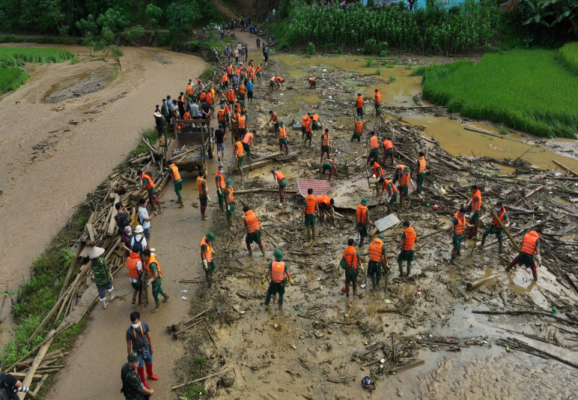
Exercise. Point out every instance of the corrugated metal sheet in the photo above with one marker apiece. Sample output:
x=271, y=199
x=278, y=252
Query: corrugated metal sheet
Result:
x=319, y=187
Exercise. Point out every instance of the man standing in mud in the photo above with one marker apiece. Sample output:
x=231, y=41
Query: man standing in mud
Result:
x=359, y=105
x=362, y=217
x=207, y=253
x=459, y=225
x=377, y=260
x=407, y=247
x=309, y=210
x=253, y=230
x=377, y=103
x=278, y=273
x=325, y=144
x=420, y=171
x=203, y=193
x=328, y=165
x=357, y=131
x=350, y=263
x=282, y=182
x=228, y=192
x=154, y=272
x=404, y=182
x=476, y=208
x=496, y=227
x=530, y=248
x=173, y=170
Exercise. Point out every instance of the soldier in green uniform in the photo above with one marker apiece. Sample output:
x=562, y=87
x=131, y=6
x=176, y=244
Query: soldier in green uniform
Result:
x=407, y=247
x=207, y=254
x=495, y=227
x=229, y=202
x=102, y=276
x=153, y=271
x=278, y=273
x=459, y=226
x=132, y=386
x=377, y=259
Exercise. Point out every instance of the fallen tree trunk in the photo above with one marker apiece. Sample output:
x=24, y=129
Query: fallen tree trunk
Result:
x=565, y=167
x=480, y=282
x=520, y=312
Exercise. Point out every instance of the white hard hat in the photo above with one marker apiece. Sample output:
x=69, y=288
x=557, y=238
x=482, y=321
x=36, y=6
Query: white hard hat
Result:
x=138, y=229
x=96, y=252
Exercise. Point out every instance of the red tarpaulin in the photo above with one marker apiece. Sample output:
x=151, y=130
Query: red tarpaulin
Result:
x=319, y=187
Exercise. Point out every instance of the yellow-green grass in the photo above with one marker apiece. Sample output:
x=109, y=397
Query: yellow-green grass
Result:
x=568, y=56
x=522, y=89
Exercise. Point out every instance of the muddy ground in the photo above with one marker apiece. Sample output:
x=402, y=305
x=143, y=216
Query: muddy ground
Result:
x=320, y=345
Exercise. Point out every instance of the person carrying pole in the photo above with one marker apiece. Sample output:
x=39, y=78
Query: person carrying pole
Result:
x=459, y=226
x=475, y=208
x=377, y=260
x=495, y=227
x=407, y=247
x=278, y=273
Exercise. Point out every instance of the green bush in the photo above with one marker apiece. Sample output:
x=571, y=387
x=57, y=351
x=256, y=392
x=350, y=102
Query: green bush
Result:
x=391, y=79
x=370, y=47
x=568, y=56
x=522, y=89
x=369, y=63
x=310, y=49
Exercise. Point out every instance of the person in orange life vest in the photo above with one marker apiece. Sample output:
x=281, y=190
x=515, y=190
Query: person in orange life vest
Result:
x=377, y=103
x=495, y=227
x=304, y=122
x=242, y=124
x=377, y=173
x=224, y=79
x=280, y=82
x=328, y=165
x=325, y=144
x=154, y=272
x=404, y=182
x=280, y=179
x=316, y=123
x=407, y=247
x=351, y=264
x=325, y=207
x=309, y=209
x=283, y=137
x=275, y=120
x=253, y=230
x=203, y=96
x=475, y=206
x=377, y=260
x=388, y=149
x=389, y=186
x=230, y=71
x=459, y=226
x=357, y=130
x=229, y=194
x=278, y=273
x=241, y=93
x=220, y=184
x=135, y=271
x=190, y=91
x=420, y=171
x=223, y=119
x=373, y=148
x=530, y=248
x=149, y=185
x=248, y=142
x=207, y=253
x=362, y=217
x=258, y=72
x=238, y=152
x=359, y=105
x=203, y=189
x=272, y=83
x=176, y=177
x=140, y=342
x=181, y=102
x=308, y=128
x=312, y=83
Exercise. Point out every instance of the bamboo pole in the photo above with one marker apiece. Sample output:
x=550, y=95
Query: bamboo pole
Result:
x=39, y=357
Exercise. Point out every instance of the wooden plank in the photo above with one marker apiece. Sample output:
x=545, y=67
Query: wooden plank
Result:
x=565, y=167
x=21, y=375
x=39, y=357
x=449, y=163
x=112, y=222
x=412, y=364
x=91, y=234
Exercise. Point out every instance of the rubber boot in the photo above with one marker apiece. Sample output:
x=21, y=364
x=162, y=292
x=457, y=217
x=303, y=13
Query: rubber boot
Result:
x=166, y=296
x=181, y=203
x=501, y=248
x=150, y=374
x=134, y=296
x=308, y=233
x=453, y=259
x=140, y=372
x=250, y=252
x=281, y=301
x=373, y=285
x=483, y=242
x=230, y=224
x=313, y=232
x=408, y=270
x=158, y=306
x=535, y=274
x=400, y=269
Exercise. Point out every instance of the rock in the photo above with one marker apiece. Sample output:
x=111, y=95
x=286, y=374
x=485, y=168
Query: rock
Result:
x=228, y=379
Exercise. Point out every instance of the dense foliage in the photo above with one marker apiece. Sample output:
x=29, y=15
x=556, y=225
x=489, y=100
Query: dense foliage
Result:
x=568, y=56
x=11, y=79
x=435, y=30
x=523, y=89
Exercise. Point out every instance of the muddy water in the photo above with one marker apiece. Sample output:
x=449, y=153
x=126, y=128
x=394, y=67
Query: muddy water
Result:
x=456, y=140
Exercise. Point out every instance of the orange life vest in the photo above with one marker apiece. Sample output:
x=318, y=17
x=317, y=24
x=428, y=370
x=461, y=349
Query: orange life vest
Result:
x=231, y=95
x=242, y=123
x=324, y=200
x=350, y=256
x=242, y=89
x=248, y=139
x=377, y=97
x=405, y=179
x=325, y=139
x=377, y=170
x=149, y=181
x=131, y=264
x=252, y=222
x=477, y=206
x=501, y=215
x=220, y=184
x=200, y=182
x=305, y=121
x=259, y=68
x=224, y=78
x=277, y=271
x=311, y=79
x=361, y=214
x=529, y=242
x=279, y=79
x=187, y=115
x=221, y=115
x=422, y=164
x=460, y=227
x=279, y=176
x=238, y=149
x=230, y=70
x=209, y=98
x=374, y=142
x=387, y=144
x=310, y=202
x=393, y=189
x=190, y=89
x=316, y=117
x=282, y=132
x=359, y=103
x=153, y=260
x=358, y=126
x=376, y=250
x=209, y=252
x=273, y=79
x=175, y=172
x=274, y=117
x=203, y=96
x=410, y=238
x=231, y=198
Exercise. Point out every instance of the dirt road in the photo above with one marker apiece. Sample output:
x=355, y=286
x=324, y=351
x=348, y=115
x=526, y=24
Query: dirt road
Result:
x=54, y=154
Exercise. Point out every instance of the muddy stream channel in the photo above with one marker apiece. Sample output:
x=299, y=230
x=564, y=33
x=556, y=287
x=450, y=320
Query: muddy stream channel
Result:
x=421, y=338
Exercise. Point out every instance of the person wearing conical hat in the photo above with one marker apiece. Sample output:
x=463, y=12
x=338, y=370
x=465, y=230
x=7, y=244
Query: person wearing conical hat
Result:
x=102, y=276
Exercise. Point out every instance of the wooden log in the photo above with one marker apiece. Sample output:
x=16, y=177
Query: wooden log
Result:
x=565, y=167
x=21, y=375
x=412, y=364
x=449, y=163
x=39, y=357
x=39, y=385
x=201, y=379
x=516, y=245
x=176, y=334
x=91, y=233
x=112, y=223
x=480, y=282
x=521, y=312
x=534, y=191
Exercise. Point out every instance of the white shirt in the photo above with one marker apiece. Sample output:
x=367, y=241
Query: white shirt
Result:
x=143, y=242
x=138, y=264
x=142, y=214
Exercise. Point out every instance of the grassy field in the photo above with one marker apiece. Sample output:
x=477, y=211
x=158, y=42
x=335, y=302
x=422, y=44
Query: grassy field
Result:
x=568, y=56
x=527, y=90
x=12, y=58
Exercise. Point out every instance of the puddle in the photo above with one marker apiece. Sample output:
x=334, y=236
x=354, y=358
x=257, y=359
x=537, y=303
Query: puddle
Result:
x=80, y=84
x=458, y=141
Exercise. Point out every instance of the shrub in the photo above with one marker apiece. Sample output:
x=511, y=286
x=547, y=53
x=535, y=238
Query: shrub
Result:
x=370, y=47
x=310, y=49
x=568, y=56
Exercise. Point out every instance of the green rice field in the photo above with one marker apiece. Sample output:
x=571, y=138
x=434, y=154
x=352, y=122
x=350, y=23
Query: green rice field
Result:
x=527, y=90
x=12, y=58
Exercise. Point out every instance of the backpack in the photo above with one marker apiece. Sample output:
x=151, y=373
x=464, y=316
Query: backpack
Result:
x=136, y=247
x=3, y=388
x=121, y=221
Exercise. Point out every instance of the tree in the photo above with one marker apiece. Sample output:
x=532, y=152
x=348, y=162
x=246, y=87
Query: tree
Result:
x=182, y=15
x=154, y=15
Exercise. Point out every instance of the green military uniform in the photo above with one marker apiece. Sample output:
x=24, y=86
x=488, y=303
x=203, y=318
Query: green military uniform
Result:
x=231, y=210
x=405, y=255
x=157, y=283
x=374, y=267
x=276, y=287
x=499, y=232
x=374, y=153
x=210, y=267
x=254, y=237
x=101, y=271
x=327, y=166
x=132, y=385
x=356, y=136
x=283, y=183
x=203, y=199
x=456, y=242
x=420, y=180
x=392, y=199
x=362, y=228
